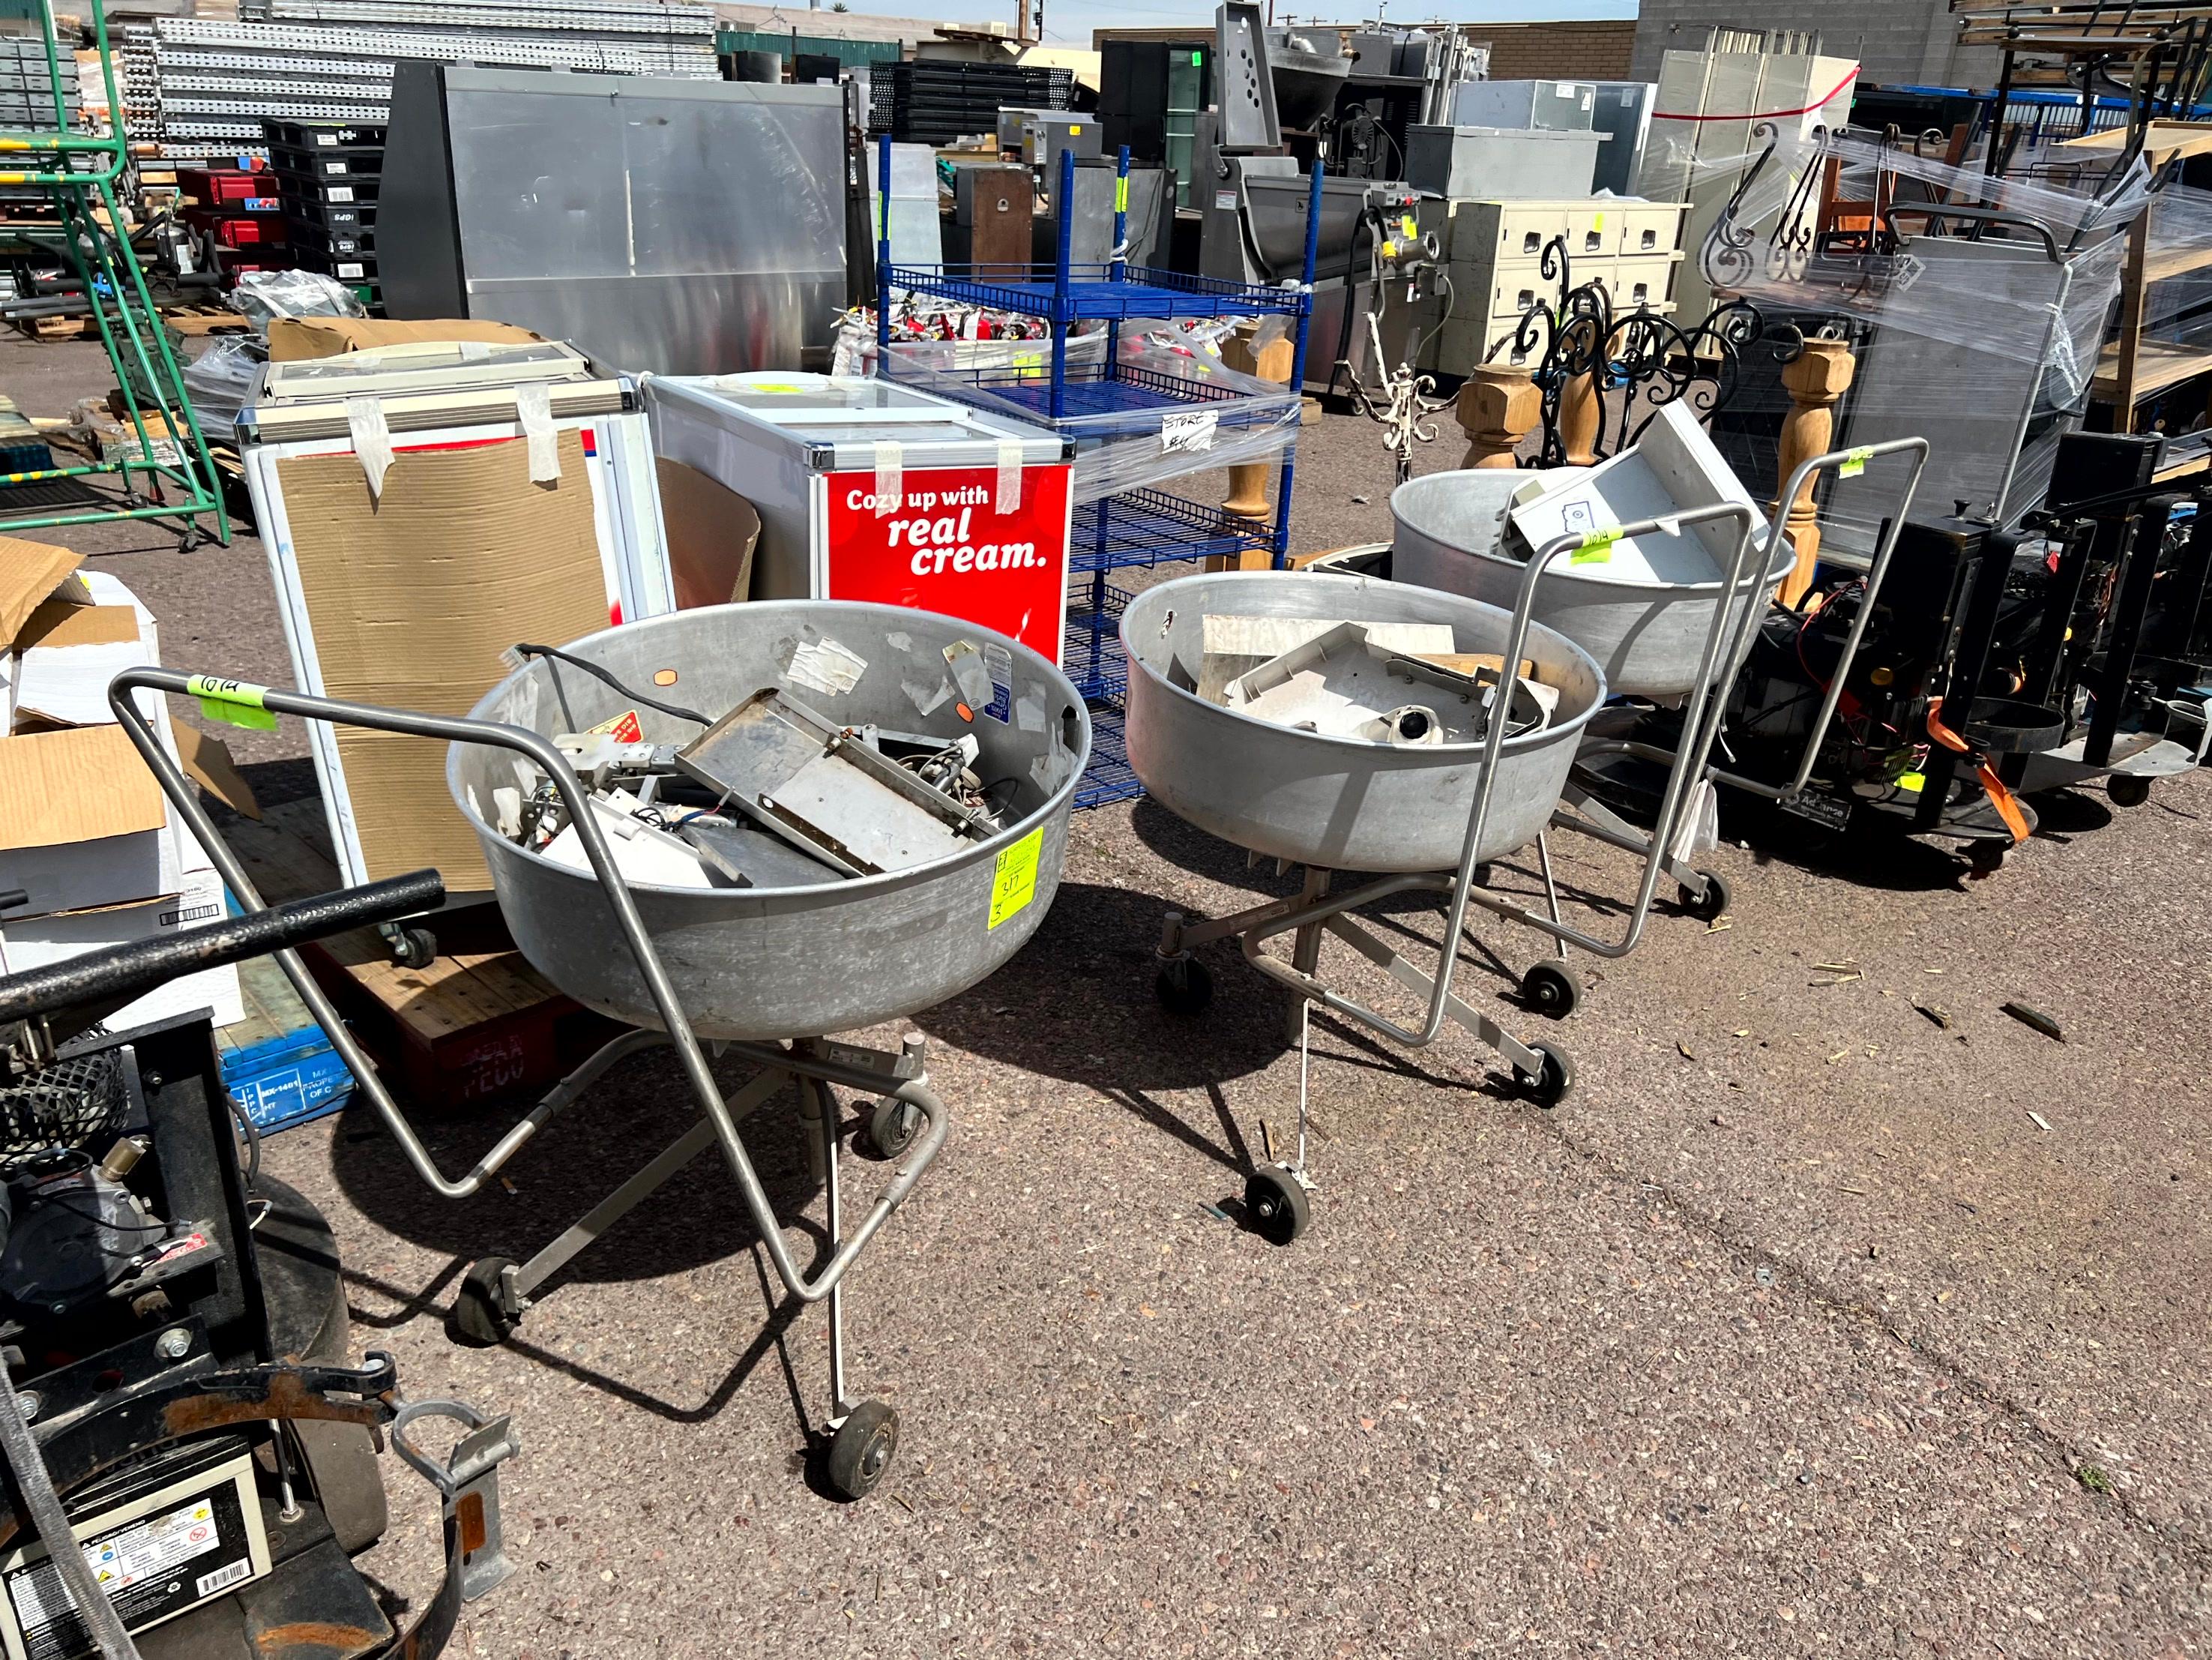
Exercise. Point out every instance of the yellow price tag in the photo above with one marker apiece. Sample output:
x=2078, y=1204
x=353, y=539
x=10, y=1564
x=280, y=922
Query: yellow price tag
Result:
x=1598, y=223
x=1122, y=194
x=235, y=703
x=1855, y=461
x=1912, y=783
x=1596, y=547
x=783, y=387
x=1013, y=878
x=1406, y=223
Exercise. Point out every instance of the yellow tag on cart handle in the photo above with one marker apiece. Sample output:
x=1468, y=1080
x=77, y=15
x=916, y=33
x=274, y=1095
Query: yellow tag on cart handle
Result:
x=235, y=703
x=1013, y=878
x=1855, y=461
x=1595, y=547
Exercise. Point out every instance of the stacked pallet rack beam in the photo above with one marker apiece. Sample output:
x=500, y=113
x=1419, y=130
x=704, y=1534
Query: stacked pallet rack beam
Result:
x=163, y=469
x=329, y=175
x=1134, y=529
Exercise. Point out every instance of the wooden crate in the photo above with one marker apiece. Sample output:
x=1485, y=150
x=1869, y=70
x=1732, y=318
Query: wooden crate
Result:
x=479, y=1025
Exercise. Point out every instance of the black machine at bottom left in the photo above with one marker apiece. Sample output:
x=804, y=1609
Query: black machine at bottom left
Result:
x=174, y=1332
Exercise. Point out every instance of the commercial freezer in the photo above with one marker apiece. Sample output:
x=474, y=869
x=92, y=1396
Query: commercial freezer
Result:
x=867, y=489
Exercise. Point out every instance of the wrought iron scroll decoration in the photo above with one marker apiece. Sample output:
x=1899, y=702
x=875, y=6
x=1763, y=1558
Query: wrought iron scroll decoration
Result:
x=1629, y=366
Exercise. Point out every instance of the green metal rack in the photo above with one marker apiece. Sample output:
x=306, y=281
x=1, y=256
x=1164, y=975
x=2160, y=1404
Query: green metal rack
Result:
x=79, y=174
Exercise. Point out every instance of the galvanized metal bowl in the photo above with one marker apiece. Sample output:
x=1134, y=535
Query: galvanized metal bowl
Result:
x=1650, y=638
x=1337, y=803
x=769, y=963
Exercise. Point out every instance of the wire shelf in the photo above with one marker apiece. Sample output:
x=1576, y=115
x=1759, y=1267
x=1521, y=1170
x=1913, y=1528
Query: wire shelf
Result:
x=1107, y=779
x=1093, y=291
x=1152, y=527
x=1091, y=648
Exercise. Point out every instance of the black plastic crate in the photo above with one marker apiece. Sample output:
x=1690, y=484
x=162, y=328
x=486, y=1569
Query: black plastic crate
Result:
x=346, y=268
x=334, y=242
x=324, y=134
x=352, y=189
x=334, y=218
x=366, y=163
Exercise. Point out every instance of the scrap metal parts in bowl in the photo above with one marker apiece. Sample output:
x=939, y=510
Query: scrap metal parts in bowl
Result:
x=788, y=788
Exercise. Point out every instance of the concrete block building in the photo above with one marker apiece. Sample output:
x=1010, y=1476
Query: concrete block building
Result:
x=1897, y=42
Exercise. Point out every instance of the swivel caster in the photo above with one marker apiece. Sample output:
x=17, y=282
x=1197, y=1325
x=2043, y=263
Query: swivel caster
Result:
x=2123, y=790
x=1712, y=904
x=861, y=1450
x=1549, y=989
x=1549, y=1086
x=893, y=1126
x=1277, y=1201
x=415, y=948
x=486, y=1311
x=1183, y=986
x=1987, y=857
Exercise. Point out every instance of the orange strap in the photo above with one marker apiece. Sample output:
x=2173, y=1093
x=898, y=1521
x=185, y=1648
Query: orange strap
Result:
x=2001, y=800
x=1942, y=733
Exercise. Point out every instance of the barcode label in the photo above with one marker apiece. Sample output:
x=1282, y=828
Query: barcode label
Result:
x=208, y=1584
x=341, y=192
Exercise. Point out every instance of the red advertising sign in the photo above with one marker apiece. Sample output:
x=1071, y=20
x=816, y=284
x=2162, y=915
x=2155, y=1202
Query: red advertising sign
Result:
x=946, y=547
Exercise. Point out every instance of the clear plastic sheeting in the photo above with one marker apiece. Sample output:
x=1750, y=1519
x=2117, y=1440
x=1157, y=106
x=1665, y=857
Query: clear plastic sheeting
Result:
x=262, y=296
x=221, y=378
x=1170, y=407
x=1977, y=306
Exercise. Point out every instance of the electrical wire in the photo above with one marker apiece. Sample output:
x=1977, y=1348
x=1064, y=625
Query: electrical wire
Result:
x=36, y=1483
x=599, y=673
x=252, y=1134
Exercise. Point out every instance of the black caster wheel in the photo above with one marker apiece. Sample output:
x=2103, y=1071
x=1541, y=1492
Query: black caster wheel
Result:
x=485, y=1315
x=1987, y=858
x=2122, y=791
x=893, y=1126
x=1712, y=904
x=1183, y=986
x=862, y=1450
x=1549, y=1086
x=416, y=948
x=1482, y=875
x=1549, y=989
x=1277, y=1201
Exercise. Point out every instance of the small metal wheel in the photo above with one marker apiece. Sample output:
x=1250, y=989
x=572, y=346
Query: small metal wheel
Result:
x=1277, y=1204
x=1549, y=1086
x=415, y=948
x=1550, y=989
x=485, y=1315
x=893, y=1126
x=1183, y=986
x=862, y=1449
x=2125, y=790
x=1712, y=904
x=1987, y=857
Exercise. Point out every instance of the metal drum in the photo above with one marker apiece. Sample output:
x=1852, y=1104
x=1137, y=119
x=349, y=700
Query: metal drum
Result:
x=1337, y=803
x=1649, y=638
x=771, y=963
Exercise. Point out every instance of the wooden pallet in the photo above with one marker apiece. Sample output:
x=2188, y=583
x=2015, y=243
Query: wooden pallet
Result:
x=191, y=321
x=478, y=1024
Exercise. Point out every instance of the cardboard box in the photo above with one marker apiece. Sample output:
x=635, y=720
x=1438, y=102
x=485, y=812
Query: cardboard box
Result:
x=82, y=823
x=41, y=941
x=292, y=338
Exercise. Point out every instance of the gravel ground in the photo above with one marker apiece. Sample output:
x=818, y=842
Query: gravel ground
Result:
x=1792, y=1333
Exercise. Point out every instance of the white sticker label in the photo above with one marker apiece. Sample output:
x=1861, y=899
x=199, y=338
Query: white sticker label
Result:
x=326, y=139
x=209, y=1583
x=1189, y=430
x=335, y=169
x=340, y=193
x=149, y=1549
x=1225, y=200
x=825, y=666
x=890, y=479
x=349, y=269
x=1008, y=498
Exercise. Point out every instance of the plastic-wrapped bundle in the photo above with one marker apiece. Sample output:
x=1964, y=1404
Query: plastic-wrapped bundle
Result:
x=1166, y=407
x=1978, y=304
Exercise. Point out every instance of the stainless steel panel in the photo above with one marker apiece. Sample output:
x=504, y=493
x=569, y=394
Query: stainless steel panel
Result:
x=674, y=226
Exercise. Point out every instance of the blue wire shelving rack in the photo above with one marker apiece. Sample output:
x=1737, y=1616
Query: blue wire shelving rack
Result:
x=1136, y=528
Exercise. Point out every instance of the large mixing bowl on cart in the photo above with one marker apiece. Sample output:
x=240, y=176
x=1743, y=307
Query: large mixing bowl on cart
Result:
x=1425, y=814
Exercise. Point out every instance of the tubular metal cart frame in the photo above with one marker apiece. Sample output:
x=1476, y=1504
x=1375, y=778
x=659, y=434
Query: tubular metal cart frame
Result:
x=1140, y=527
x=1547, y=989
x=1276, y=1193
x=862, y=1436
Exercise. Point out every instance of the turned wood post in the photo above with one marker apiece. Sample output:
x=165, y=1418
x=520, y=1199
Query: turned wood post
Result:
x=1497, y=405
x=1815, y=382
x=1247, y=480
x=1581, y=412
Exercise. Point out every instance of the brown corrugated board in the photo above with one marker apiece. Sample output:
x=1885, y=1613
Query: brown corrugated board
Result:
x=207, y=761
x=711, y=532
x=412, y=599
x=29, y=573
x=292, y=338
x=58, y=622
x=76, y=785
